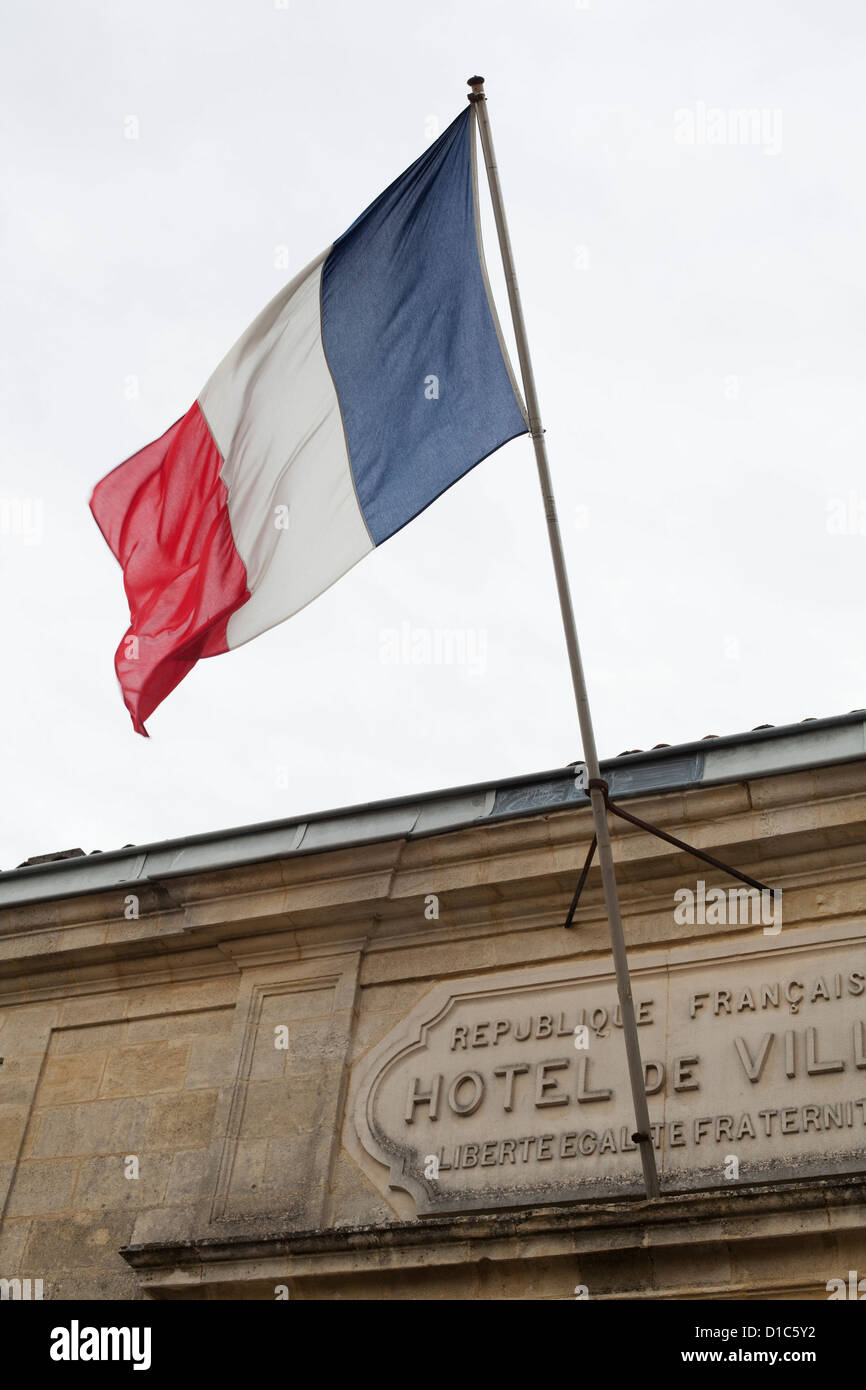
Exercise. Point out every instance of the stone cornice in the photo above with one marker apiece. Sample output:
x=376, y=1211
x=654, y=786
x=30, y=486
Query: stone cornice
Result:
x=797, y=829
x=631, y=1227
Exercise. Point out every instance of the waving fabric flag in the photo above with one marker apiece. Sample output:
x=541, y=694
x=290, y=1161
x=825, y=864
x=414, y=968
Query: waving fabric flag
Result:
x=373, y=382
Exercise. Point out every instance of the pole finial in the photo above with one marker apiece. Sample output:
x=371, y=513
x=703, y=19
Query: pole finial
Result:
x=477, y=85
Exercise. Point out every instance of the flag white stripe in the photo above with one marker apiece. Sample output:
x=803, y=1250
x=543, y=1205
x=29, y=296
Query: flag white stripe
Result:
x=274, y=413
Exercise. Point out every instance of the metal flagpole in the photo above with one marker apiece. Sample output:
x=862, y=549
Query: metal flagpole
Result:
x=595, y=784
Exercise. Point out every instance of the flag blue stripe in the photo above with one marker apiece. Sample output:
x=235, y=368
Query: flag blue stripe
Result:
x=410, y=339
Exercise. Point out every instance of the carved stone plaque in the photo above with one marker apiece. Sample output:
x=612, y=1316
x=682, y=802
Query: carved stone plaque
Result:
x=512, y=1090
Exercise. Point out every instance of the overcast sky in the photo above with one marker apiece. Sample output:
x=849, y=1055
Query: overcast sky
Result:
x=693, y=279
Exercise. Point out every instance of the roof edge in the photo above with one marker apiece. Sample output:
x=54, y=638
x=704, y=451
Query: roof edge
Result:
x=707, y=761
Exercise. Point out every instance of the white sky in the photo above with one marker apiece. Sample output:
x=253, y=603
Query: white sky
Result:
x=697, y=314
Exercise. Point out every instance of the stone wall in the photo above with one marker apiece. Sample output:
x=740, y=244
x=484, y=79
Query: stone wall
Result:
x=216, y=1039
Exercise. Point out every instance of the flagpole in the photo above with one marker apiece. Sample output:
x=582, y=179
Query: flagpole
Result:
x=595, y=784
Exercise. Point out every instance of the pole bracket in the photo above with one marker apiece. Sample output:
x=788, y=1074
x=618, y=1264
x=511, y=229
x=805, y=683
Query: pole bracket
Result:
x=599, y=784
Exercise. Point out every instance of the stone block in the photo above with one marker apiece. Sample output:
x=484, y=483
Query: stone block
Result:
x=91, y=1128
x=354, y=1199
x=42, y=1187
x=266, y=1109
x=248, y=1160
x=268, y=1061
x=95, y=1286
x=291, y=1165
x=13, y=1239
x=161, y=1225
x=431, y=962
x=183, y=996
x=87, y=1239
x=392, y=998
x=70, y=1077
x=294, y=1005
x=13, y=1121
x=212, y=1061
x=139, y=1069
x=19, y=1076
x=180, y=1121
x=174, y=1027
x=93, y=1008
x=315, y=1041
x=26, y=1028
x=189, y=1172
x=103, y=1184
x=88, y=1037
x=370, y=1029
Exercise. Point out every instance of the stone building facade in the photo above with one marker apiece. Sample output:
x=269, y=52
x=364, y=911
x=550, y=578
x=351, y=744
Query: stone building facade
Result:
x=359, y=1055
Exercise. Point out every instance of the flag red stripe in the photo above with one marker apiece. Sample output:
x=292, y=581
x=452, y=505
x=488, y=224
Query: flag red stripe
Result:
x=164, y=514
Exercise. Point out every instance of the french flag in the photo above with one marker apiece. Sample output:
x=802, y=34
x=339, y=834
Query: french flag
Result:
x=364, y=390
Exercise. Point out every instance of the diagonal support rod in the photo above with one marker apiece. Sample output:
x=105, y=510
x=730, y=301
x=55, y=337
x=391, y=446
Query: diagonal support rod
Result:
x=661, y=835
x=581, y=881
